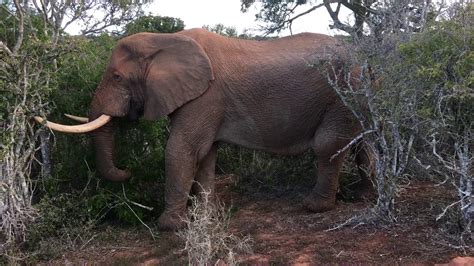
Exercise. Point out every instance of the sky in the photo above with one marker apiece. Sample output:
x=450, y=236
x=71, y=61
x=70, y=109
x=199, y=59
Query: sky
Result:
x=197, y=13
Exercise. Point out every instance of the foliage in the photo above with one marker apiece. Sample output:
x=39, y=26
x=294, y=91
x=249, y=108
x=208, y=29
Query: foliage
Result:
x=421, y=106
x=280, y=14
x=65, y=224
x=140, y=147
x=222, y=30
x=154, y=24
x=30, y=49
x=263, y=171
x=258, y=172
x=26, y=73
x=385, y=108
x=232, y=32
x=81, y=71
x=442, y=60
x=9, y=27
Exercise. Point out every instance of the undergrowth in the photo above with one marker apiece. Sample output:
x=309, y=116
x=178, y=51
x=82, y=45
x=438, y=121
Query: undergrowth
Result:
x=207, y=237
x=65, y=224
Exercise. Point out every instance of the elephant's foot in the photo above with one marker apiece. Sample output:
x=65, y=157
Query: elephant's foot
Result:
x=317, y=203
x=171, y=221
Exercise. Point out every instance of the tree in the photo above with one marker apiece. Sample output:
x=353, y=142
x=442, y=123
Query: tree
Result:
x=421, y=105
x=25, y=69
x=30, y=46
x=52, y=18
x=280, y=14
x=222, y=30
x=441, y=59
x=154, y=24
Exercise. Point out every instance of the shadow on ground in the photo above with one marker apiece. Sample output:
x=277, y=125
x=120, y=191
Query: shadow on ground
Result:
x=284, y=233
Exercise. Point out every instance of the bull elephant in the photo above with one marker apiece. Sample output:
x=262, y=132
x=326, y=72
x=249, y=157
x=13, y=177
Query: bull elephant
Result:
x=259, y=94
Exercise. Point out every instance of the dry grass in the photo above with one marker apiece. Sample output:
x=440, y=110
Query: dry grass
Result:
x=207, y=236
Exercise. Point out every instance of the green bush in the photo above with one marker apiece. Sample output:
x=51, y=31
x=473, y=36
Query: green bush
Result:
x=65, y=223
x=154, y=24
x=259, y=171
x=267, y=170
x=139, y=147
x=443, y=61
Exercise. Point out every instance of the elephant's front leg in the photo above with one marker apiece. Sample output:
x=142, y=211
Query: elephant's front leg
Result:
x=182, y=160
x=205, y=178
x=181, y=167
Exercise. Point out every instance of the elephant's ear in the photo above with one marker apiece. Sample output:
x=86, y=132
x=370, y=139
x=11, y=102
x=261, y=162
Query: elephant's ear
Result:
x=178, y=71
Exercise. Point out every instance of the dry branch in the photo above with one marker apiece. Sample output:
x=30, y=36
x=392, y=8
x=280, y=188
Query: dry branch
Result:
x=207, y=236
x=386, y=111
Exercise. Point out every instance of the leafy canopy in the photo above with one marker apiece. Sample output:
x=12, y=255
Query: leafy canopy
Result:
x=154, y=24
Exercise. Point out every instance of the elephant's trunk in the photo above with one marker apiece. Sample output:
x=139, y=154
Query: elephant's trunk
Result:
x=103, y=140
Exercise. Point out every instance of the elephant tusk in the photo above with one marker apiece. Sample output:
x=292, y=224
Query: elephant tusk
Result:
x=90, y=126
x=77, y=118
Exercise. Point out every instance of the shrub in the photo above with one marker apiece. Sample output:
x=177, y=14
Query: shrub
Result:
x=64, y=223
x=154, y=24
x=140, y=147
x=271, y=171
x=207, y=236
x=443, y=61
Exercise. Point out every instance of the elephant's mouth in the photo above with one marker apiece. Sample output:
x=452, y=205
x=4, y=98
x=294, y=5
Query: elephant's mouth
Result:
x=135, y=111
x=88, y=126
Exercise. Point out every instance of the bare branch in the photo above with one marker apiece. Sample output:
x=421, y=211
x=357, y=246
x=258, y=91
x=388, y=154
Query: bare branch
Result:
x=3, y=47
x=290, y=20
x=20, y=12
x=335, y=18
x=352, y=142
x=441, y=215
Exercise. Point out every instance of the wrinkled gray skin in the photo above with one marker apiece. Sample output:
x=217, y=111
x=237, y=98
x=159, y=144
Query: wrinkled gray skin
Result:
x=259, y=94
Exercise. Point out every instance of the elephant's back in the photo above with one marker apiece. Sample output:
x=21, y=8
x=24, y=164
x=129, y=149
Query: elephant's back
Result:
x=302, y=43
x=305, y=40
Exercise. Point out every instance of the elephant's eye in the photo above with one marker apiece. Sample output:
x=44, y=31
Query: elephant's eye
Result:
x=117, y=77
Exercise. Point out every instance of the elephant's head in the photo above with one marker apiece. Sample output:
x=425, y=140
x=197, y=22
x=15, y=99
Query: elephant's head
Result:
x=148, y=74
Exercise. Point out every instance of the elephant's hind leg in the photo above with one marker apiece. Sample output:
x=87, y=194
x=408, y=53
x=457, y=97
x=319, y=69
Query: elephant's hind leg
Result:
x=323, y=195
x=336, y=130
x=365, y=165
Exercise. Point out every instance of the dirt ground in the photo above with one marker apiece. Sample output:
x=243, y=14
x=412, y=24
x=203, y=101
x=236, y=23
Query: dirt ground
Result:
x=284, y=233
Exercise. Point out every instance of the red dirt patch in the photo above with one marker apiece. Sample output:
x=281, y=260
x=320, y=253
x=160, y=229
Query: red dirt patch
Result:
x=284, y=233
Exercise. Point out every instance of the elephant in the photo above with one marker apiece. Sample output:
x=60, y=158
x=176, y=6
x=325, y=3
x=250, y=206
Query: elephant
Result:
x=265, y=95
